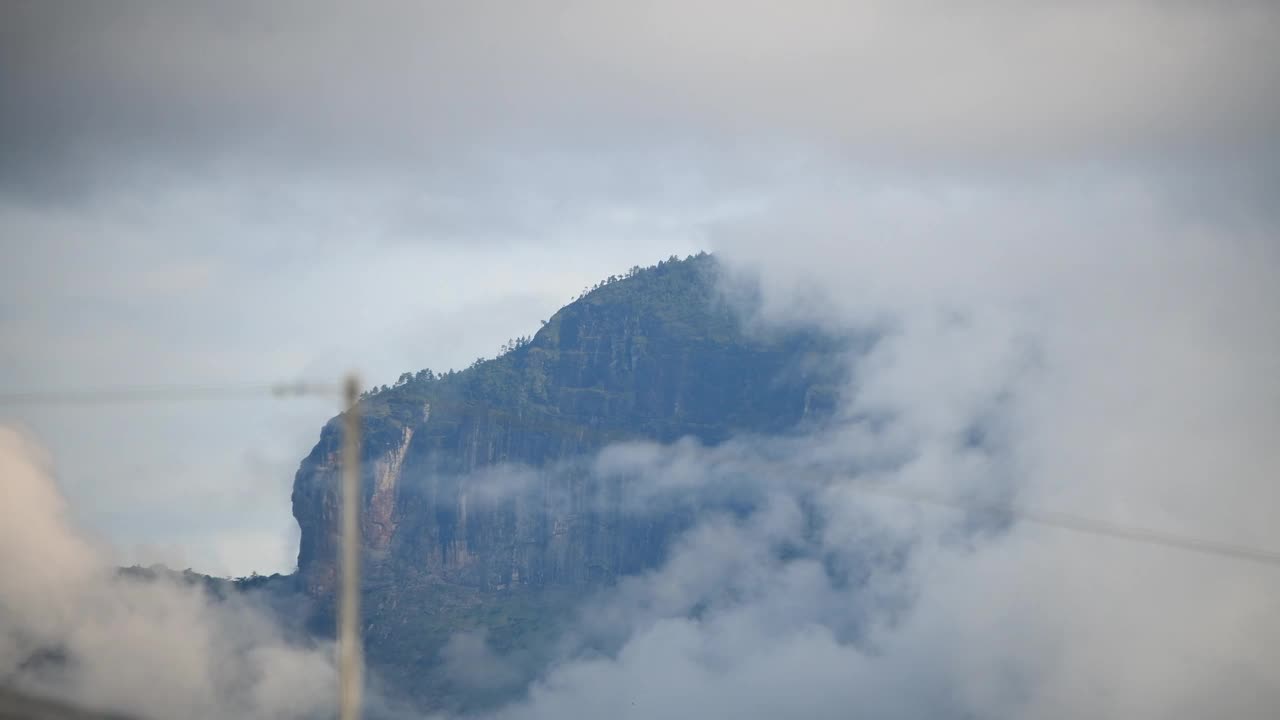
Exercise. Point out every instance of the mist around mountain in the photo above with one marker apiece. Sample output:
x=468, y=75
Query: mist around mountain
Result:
x=499, y=496
x=690, y=494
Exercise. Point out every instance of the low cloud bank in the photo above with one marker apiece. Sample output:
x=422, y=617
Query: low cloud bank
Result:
x=1123, y=378
x=1121, y=368
x=71, y=627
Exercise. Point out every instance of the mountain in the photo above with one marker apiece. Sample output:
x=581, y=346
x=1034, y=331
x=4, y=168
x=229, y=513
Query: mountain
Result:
x=482, y=508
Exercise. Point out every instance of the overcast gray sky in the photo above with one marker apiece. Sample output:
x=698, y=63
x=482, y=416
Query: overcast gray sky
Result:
x=1065, y=215
x=246, y=193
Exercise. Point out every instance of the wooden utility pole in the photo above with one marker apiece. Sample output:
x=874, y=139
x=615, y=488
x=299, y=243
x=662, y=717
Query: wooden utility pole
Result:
x=351, y=655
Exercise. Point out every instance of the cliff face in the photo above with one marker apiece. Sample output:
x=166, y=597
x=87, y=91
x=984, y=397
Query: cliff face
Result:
x=478, y=478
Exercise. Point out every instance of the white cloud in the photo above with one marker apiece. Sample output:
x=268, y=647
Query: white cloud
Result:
x=1121, y=376
x=1063, y=215
x=158, y=649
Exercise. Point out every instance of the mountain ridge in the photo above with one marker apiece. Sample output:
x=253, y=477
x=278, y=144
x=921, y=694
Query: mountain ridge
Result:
x=481, y=506
x=658, y=355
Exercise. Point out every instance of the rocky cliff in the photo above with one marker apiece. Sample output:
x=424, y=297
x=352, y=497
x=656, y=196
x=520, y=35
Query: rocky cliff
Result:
x=482, y=508
x=659, y=354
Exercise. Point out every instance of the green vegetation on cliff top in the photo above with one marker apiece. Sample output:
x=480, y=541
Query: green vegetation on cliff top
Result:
x=657, y=352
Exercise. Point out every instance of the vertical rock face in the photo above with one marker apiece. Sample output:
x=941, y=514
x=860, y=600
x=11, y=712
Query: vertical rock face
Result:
x=478, y=478
x=380, y=517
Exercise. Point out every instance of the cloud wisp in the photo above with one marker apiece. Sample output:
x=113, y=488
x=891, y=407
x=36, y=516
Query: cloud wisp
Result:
x=72, y=627
x=1124, y=381
x=1060, y=217
x=1123, y=378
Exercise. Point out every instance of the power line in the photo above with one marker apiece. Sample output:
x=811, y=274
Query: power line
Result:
x=1065, y=521
x=1086, y=525
x=164, y=393
x=351, y=662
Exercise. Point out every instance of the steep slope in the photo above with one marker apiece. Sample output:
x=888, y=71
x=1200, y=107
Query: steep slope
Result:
x=657, y=355
x=481, y=505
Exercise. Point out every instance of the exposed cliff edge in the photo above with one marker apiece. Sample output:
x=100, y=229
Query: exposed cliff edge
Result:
x=657, y=355
x=478, y=484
